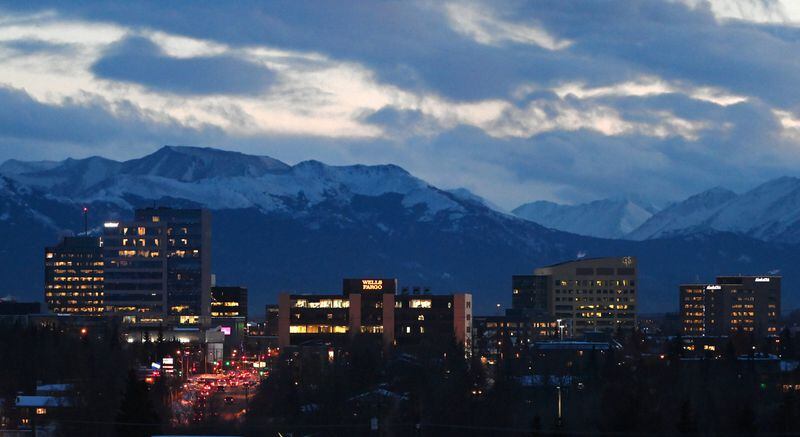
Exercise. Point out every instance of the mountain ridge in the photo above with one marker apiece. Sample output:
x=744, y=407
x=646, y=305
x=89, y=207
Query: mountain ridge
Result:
x=606, y=218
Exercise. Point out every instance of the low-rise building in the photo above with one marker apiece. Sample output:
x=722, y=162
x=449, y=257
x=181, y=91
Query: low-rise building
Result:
x=229, y=311
x=372, y=307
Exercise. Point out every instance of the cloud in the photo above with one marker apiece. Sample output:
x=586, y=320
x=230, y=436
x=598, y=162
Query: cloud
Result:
x=567, y=100
x=757, y=11
x=484, y=27
x=31, y=46
x=29, y=128
x=138, y=60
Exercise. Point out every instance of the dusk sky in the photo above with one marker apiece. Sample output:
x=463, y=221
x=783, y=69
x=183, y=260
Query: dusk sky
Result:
x=559, y=100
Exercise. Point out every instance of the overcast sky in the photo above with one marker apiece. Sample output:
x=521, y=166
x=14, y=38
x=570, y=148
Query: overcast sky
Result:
x=559, y=100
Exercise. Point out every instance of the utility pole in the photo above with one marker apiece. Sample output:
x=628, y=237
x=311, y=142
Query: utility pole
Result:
x=560, y=417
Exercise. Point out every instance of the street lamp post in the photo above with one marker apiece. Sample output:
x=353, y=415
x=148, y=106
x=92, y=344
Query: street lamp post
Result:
x=560, y=415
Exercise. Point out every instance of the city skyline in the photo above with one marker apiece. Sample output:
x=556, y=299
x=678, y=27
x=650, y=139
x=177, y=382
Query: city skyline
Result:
x=399, y=217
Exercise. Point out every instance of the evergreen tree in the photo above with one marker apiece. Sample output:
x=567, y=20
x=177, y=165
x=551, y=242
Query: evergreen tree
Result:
x=687, y=423
x=137, y=415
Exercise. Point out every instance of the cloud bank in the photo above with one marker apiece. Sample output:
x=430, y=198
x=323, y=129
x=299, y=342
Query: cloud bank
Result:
x=517, y=101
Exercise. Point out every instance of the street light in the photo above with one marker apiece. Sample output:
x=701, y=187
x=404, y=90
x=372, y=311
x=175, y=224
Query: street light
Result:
x=560, y=329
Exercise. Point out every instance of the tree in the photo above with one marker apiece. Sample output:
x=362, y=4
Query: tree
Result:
x=687, y=423
x=137, y=415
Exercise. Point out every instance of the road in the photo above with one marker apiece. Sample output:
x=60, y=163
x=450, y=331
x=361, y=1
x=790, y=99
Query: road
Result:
x=222, y=396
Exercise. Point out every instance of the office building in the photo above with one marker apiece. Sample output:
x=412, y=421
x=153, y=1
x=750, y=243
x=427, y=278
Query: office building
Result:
x=497, y=338
x=158, y=267
x=732, y=305
x=271, y=320
x=229, y=311
x=228, y=302
x=73, y=277
x=529, y=294
x=372, y=307
x=448, y=316
x=587, y=295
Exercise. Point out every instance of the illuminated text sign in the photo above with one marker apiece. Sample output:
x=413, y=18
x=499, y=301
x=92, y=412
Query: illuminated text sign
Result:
x=372, y=284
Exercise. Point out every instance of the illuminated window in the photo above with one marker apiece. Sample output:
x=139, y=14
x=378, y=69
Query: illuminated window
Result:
x=141, y=230
x=420, y=303
x=41, y=411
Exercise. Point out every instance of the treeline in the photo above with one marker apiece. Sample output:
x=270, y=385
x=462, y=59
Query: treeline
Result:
x=434, y=390
x=108, y=397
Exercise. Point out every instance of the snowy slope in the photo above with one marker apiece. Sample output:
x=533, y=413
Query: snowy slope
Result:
x=222, y=180
x=609, y=218
x=465, y=194
x=769, y=212
x=13, y=166
x=692, y=213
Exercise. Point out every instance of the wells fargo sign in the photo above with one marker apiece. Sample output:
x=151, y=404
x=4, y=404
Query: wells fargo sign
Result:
x=372, y=284
x=359, y=285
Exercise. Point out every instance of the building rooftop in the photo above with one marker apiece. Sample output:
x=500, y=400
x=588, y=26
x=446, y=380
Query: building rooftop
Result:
x=571, y=344
x=42, y=401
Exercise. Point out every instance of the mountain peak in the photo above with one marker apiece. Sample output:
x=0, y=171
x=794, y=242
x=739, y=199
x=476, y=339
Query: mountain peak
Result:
x=688, y=215
x=190, y=164
x=605, y=218
x=16, y=167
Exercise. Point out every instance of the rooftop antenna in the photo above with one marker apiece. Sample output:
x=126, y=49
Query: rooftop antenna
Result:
x=85, y=221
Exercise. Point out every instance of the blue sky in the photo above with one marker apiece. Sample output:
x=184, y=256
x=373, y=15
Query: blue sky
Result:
x=564, y=100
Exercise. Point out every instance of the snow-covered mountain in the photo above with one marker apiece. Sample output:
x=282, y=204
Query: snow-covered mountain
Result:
x=609, y=218
x=769, y=212
x=690, y=214
x=303, y=227
x=465, y=194
x=218, y=179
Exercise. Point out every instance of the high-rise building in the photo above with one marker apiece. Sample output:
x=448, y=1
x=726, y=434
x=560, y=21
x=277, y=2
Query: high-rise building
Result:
x=271, y=319
x=371, y=307
x=529, y=295
x=587, y=295
x=73, y=277
x=732, y=305
x=158, y=267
